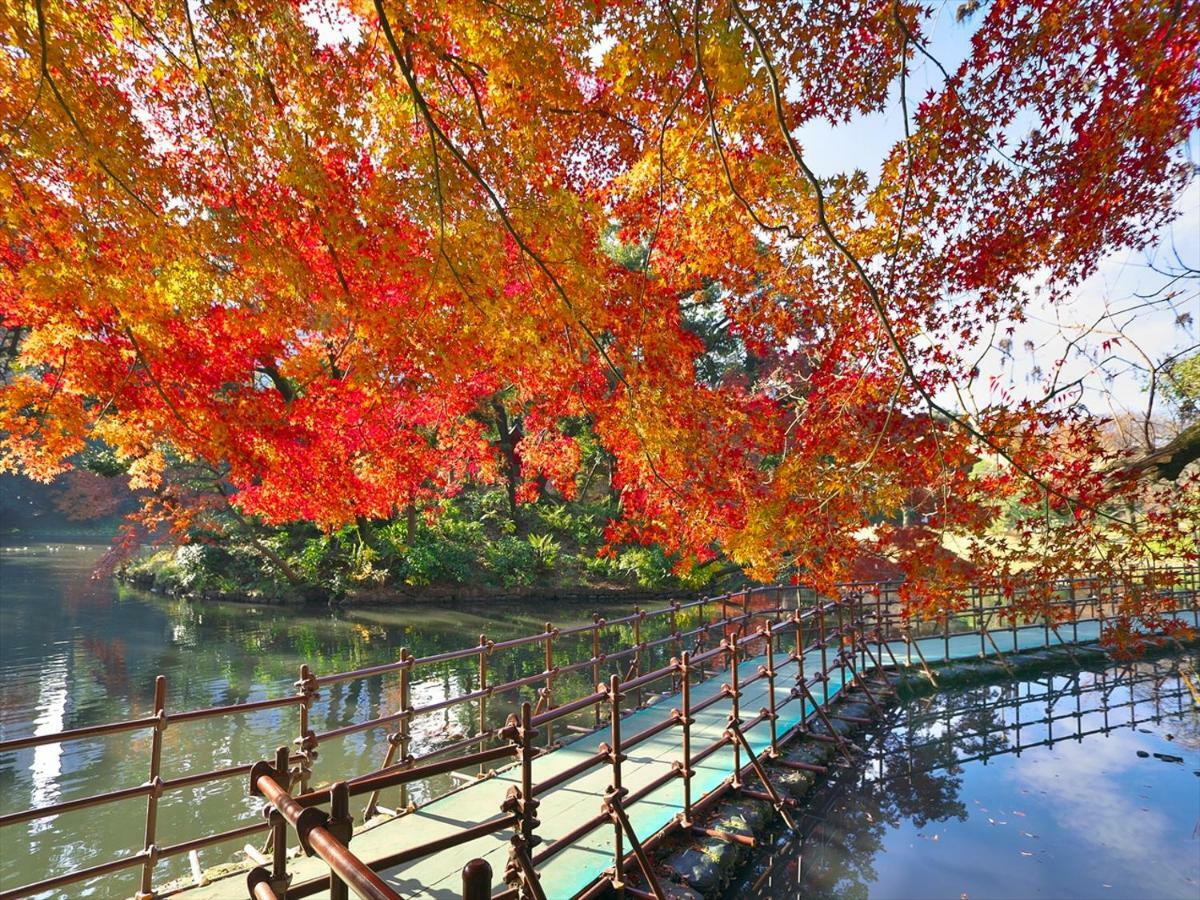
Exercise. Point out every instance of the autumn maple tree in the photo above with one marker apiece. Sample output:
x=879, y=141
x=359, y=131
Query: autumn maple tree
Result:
x=316, y=251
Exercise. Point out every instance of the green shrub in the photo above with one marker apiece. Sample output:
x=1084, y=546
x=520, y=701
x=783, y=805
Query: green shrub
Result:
x=545, y=551
x=433, y=556
x=511, y=561
x=648, y=566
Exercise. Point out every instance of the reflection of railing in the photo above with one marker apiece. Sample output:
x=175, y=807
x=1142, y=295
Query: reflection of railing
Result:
x=865, y=617
x=911, y=747
x=1104, y=683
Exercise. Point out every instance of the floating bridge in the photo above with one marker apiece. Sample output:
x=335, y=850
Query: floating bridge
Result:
x=632, y=729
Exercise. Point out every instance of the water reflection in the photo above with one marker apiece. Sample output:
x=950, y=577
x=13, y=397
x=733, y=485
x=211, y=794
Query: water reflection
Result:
x=1044, y=788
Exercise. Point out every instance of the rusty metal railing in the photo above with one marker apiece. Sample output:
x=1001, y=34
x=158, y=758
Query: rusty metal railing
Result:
x=301, y=760
x=844, y=646
x=852, y=635
x=519, y=809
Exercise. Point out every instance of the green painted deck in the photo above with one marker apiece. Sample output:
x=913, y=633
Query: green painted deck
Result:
x=579, y=799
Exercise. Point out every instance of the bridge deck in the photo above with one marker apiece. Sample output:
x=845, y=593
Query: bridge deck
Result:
x=577, y=800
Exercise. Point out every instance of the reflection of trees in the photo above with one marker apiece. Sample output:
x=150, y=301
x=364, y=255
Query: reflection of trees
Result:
x=928, y=791
x=914, y=776
x=918, y=757
x=1152, y=676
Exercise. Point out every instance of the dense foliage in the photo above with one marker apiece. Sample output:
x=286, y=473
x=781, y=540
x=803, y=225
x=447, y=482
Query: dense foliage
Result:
x=467, y=542
x=334, y=261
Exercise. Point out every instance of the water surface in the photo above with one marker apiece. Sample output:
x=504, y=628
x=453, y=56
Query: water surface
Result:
x=1047, y=788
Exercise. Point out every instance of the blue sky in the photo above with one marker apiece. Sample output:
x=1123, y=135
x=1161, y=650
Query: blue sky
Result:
x=1154, y=333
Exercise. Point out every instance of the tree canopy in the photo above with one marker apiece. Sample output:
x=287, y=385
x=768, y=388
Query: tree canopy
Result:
x=328, y=253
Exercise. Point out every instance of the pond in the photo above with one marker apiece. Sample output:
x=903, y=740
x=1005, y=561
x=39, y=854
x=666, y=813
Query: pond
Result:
x=76, y=652
x=1083, y=785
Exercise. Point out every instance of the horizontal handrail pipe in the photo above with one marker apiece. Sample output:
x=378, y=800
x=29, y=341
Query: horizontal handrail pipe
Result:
x=248, y=706
x=223, y=837
x=469, y=833
x=78, y=734
x=394, y=776
x=75, y=877
x=57, y=809
x=226, y=772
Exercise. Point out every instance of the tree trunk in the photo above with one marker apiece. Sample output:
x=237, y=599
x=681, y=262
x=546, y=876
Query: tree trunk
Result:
x=509, y=434
x=410, y=521
x=280, y=563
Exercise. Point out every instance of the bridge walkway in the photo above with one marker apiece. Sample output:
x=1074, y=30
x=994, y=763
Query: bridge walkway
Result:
x=565, y=807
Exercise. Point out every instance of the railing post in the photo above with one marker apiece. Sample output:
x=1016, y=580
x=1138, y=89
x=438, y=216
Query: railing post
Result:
x=799, y=620
x=1074, y=613
x=639, y=614
x=529, y=803
x=477, y=880
x=845, y=619
x=404, y=726
x=824, y=652
x=1045, y=625
x=306, y=743
x=735, y=708
x=616, y=757
x=769, y=669
x=841, y=645
x=596, y=623
x=395, y=740
x=881, y=632
x=279, y=876
x=675, y=632
x=685, y=722
x=280, y=880
x=549, y=691
x=858, y=623
x=977, y=597
x=520, y=802
x=1012, y=613
x=155, y=781
x=341, y=826
x=484, y=729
